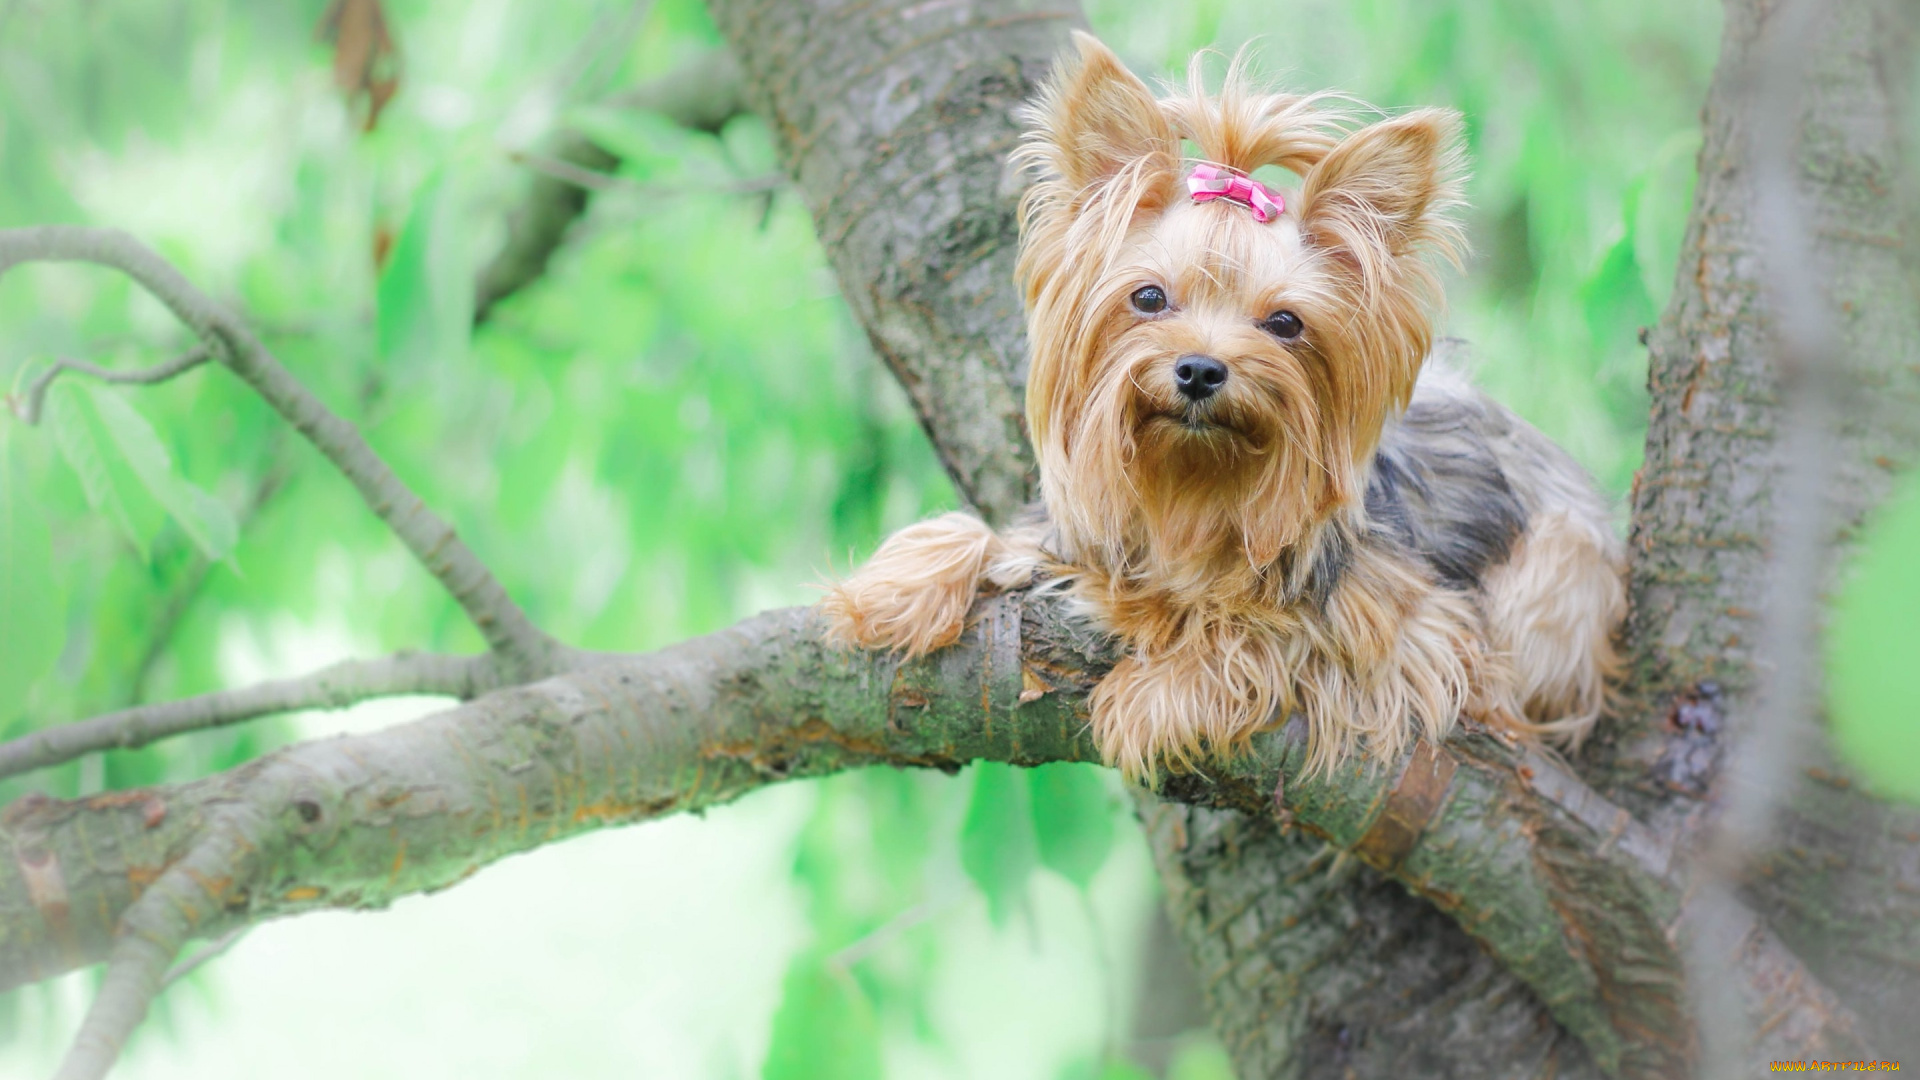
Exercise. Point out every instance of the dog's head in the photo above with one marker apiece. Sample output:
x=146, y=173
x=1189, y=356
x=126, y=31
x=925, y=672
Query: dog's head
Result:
x=1213, y=359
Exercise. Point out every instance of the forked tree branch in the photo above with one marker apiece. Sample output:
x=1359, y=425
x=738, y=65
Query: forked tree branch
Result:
x=334, y=687
x=31, y=403
x=507, y=630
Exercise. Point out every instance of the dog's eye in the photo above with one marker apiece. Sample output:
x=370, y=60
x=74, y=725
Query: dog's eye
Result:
x=1284, y=325
x=1149, y=300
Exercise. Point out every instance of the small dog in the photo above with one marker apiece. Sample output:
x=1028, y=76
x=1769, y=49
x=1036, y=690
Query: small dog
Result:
x=1246, y=475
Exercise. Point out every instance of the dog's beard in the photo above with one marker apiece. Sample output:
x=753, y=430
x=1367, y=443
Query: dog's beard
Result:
x=1162, y=485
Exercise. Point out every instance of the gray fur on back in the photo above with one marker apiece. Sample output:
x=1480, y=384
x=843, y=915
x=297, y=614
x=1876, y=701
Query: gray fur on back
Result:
x=1459, y=477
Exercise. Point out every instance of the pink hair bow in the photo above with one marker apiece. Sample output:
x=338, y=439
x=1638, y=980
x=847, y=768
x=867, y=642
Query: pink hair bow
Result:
x=1208, y=182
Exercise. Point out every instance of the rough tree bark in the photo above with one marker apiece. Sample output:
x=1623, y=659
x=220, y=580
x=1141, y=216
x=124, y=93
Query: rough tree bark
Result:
x=1509, y=920
x=1842, y=883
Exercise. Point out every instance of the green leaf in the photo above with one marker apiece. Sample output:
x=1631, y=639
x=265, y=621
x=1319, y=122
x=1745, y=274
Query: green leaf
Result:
x=1660, y=222
x=1111, y=1069
x=1072, y=819
x=77, y=431
x=424, y=300
x=201, y=516
x=1873, y=650
x=996, y=838
x=1200, y=1057
x=30, y=624
x=824, y=1028
x=1614, y=295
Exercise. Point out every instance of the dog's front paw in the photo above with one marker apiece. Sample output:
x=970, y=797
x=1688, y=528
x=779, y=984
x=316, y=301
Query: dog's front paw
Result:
x=914, y=593
x=1175, y=711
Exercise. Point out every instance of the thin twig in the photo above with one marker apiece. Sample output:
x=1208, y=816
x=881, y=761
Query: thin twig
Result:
x=335, y=687
x=499, y=619
x=29, y=405
x=701, y=94
x=886, y=933
x=206, y=954
x=599, y=181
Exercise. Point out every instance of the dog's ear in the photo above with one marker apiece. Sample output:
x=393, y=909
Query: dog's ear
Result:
x=1094, y=117
x=1388, y=190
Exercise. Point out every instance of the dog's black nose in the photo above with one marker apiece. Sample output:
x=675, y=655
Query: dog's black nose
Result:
x=1199, y=377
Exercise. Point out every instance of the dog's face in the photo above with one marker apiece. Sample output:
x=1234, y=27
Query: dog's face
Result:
x=1206, y=386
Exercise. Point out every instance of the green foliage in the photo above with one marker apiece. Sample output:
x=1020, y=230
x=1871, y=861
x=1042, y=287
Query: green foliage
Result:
x=1873, y=651
x=83, y=440
x=424, y=300
x=1088, y=1069
x=1072, y=819
x=29, y=636
x=824, y=1026
x=204, y=518
x=997, y=840
x=1200, y=1059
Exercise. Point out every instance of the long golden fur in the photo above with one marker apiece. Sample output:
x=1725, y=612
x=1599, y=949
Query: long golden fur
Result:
x=1330, y=533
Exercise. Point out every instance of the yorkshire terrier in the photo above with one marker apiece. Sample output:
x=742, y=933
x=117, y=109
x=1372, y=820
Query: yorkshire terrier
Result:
x=1246, y=474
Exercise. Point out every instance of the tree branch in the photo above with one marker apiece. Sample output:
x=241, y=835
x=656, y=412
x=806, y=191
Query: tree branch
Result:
x=155, y=927
x=500, y=621
x=335, y=687
x=29, y=405
x=702, y=94
x=1565, y=890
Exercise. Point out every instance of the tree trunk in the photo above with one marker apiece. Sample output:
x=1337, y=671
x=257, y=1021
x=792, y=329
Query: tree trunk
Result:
x=1841, y=885
x=895, y=119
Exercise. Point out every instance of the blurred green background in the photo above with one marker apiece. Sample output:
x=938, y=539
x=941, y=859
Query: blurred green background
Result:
x=677, y=426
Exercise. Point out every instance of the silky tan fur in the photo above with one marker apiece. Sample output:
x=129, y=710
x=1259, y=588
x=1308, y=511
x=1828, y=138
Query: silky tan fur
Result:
x=1333, y=533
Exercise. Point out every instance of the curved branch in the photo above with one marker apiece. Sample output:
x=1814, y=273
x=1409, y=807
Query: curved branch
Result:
x=28, y=407
x=335, y=687
x=1563, y=888
x=500, y=621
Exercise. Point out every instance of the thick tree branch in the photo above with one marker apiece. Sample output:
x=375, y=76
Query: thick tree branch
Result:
x=335, y=687
x=702, y=94
x=1565, y=890
x=500, y=621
